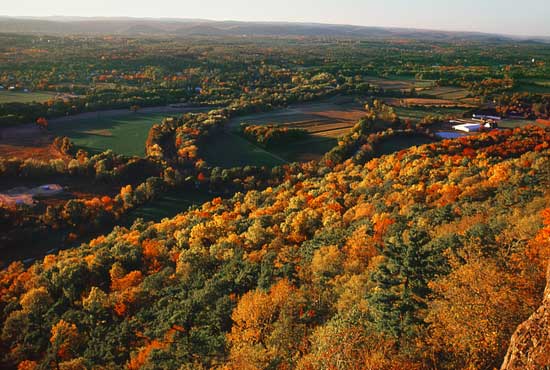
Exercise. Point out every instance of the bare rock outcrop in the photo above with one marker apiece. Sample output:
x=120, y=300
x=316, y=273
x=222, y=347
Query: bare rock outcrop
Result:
x=530, y=345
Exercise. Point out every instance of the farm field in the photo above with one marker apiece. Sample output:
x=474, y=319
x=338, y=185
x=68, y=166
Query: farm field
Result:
x=23, y=97
x=124, y=135
x=447, y=92
x=316, y=147
x=325, y=121
x=121, y=131
x=399, y=143
x=228, y=150
x=169, y=205
x=415, y=114
x=428, y=102
x=399, y=83
x=513, y=123
x=540, y=87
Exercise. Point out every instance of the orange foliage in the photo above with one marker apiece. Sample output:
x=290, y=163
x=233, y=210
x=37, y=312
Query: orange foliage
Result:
x=151, y=251
x=42, y=123
x=140, y=359
x=131, y=279
x=64, y=338
x=538, y=250
x=27, y=365
x=121, y=309
x=381, y=224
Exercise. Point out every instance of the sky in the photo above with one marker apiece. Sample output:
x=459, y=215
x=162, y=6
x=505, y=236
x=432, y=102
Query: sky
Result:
x=514, y=17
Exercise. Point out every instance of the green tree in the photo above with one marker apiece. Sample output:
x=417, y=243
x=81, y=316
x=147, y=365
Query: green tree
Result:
x=401, y=283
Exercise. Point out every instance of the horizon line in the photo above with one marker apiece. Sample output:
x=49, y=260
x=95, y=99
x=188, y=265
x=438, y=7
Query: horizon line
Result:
x=83, y=17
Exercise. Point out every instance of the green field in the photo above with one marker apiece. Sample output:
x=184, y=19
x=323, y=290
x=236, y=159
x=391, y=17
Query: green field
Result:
x=399, y=82
x=123, y=134
x=22, y=97
x=535, y=88
x=513, y=123
x=399, y=143
x=306, y=150
x=448, y=93
x=230, y=150
x=416, y=114
x=169, y=205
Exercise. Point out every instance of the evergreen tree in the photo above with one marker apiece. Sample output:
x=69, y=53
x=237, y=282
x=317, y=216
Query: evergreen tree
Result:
x=401, y=283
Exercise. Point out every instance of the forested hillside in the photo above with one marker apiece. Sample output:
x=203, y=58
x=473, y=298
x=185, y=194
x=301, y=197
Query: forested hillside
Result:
x=426, y=258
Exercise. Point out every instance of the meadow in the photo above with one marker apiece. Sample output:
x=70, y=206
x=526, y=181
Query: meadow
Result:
x=23, y=97
x=168, y=205
x=124, y=134
x=325, y=122
x=228, y=149
x=399, y=82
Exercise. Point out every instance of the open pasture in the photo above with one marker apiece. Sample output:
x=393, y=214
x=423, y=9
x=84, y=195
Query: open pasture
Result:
x=337, y=114
x=447, y=92
x=533, y=86
x=426, y=102
x=399, y=83
x=124, y=134
x=415, y=114
x=325, y=121
x=227, y=150
x=24, y=97
x=399, y=143
x=119, y=130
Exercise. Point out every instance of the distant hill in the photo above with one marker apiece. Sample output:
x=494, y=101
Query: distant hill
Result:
x=199, y=27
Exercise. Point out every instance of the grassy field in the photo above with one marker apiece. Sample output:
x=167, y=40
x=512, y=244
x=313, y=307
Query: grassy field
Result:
x=307, y=150
x=325, y=121
x=416, y=114
x=230, y=150
x=123, y=134
x=399, y=83
x=22, y=97
x=399, y=143
x=536, y=87
x=447, y=92
x=169, y=205
x=513, y=123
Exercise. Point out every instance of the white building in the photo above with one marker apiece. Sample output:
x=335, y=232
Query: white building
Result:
x=471, y=127
x=483, y=116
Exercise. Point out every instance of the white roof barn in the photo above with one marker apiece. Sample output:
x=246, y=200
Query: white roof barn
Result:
x=467, y=127
x=472, y=127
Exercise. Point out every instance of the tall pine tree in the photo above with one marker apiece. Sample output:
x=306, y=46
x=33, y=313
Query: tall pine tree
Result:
x=401, y=283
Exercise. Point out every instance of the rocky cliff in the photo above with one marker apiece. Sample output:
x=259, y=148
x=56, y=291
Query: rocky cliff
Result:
x=530, y=345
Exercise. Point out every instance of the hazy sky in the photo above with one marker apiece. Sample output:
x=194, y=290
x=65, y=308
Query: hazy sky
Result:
x=522, y=17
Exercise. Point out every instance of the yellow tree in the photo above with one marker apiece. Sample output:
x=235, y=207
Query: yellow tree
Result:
x=476, y=310
x=64, y=340
x=268, y=328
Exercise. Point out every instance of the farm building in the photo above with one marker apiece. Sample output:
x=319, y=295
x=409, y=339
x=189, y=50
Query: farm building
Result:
x=483, y=116
x=473, y=125
x=468, y=127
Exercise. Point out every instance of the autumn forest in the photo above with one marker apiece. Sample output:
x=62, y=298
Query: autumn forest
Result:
x=273, y=202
